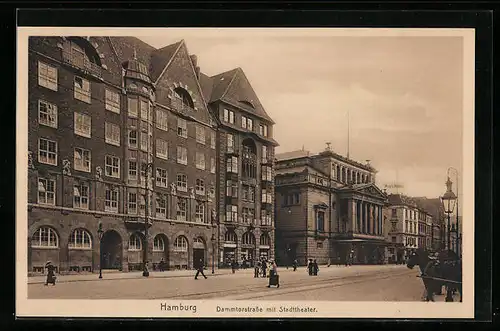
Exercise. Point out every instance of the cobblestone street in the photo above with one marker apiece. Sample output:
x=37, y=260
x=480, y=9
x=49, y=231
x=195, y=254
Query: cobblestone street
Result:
x=363, y=283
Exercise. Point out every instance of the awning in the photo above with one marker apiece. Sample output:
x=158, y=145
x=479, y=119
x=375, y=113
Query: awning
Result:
x=230, y=245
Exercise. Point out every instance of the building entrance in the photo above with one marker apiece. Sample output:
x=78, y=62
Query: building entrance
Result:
x=111, y=250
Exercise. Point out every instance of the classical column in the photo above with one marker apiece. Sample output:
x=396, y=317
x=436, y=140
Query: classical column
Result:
x=358, y=216
x=381, y=216
x=354, y=215
x=365, y=217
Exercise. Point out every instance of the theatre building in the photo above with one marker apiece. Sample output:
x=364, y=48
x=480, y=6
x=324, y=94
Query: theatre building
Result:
x=245, y=157
x=119, y=134
x=328, y=206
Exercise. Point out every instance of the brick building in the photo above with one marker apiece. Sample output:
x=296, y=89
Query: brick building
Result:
x=245, y=168
x=120, y=133
x=327, y=206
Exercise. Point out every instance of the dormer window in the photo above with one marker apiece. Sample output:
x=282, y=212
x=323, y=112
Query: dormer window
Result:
x=182, y=99
x=81, y=54
x=247, y=103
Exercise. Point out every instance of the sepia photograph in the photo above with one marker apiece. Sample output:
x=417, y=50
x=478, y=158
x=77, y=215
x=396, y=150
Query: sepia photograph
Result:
x=224, y=172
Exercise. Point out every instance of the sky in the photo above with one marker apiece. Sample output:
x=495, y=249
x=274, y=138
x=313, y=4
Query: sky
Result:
x=403, y=96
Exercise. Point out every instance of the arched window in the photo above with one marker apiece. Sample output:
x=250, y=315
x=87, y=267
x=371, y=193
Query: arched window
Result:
x=230, y=236
x=45, y=237
x=158, y=244
x=134, y=243
x=80, y=238
x=338, y=173
x=248, y=239
x=181, y=244
x=249, y=161
x=183, y=98
x=265, y=240
x=247, y=103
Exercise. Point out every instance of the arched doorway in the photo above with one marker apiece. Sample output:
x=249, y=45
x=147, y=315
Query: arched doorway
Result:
x=161, y=260
x=199, y=251
x=230, y=248
x=247, y=249
x=111, y=250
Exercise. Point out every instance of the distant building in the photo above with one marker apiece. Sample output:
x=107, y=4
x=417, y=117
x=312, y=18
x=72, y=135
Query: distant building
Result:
x=327, y=206
x=434, y=207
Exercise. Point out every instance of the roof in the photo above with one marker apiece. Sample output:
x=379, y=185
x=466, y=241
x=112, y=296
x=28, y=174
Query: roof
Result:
x=160, y=58
x=206, y=86
x=127, y=48
x=234, y=87
x=292, y=155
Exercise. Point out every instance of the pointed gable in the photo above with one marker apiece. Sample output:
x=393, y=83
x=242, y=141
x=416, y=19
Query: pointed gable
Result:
x=366, y=189
x=160, y=59
x=220, y=84
x=241, y=93
x=180, y=74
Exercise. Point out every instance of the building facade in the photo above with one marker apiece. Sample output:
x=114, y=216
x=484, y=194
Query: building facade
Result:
x=327, y=208
x=245, y=169
x=121, y=134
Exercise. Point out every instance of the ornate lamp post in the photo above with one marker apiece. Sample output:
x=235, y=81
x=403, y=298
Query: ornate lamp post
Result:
x=457, y=229
x=100, y=232
x=448, y=200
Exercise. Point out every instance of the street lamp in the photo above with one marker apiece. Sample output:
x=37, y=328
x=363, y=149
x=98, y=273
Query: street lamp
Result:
x=448, y=200
x=457, y=225
x=100, y=232
x=145, y=272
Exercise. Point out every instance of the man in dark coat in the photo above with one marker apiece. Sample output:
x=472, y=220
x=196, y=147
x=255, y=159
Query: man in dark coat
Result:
x=315, y=268
x=264, y=267
x=199, y=269
x=295, y=265
x=256, y=270
x=310, y=267
x=51, y=278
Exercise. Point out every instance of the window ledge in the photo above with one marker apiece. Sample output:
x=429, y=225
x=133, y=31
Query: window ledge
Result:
x=44, y=247
x=80, y=248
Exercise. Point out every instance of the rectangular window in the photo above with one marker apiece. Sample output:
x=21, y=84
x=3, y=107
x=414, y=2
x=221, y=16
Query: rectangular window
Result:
x=182, y=182
x=132, y=202
x=161, y=177
x=248, y=215
x=230, y=143
x=144, y=110
x=82, y=159
x=46, y=191
x=162, y=149
x=47, y=151
x=228, y=116
x=200, y=135
x=181, y=209
x=212, y=139
x=265, y=217
x=132, y=138
x=83, y=125
x=394, y=212
x=321, y=221
x=182, y=128
x=231, y=213
x=161, y=120
x=112, y=168
x=248, y=193
x=47, y=76
x=266, y=197
x=161, y=207
x=249, y=124
x=111, y=199
x=200, y=161
x=200, y=187
x=267, y=174
x=112, y=134
x=263, y=130
x=212, y=165
x=47, y=114
x=243, y=122
x=182, y=155
x=264, y=154
x=232, y=164
x=82, y=89
x=200, y=212
x=319, y=245
x=112, y=101
x=81, y=196
x=133, y=105
x=144, y=141
x=232, y=189
x=132, y=170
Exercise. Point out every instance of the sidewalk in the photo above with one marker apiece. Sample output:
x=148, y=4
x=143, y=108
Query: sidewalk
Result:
x=106, y=275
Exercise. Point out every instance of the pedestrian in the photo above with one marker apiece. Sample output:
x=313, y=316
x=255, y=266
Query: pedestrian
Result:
x=162, y=265
x=264, y=267
x=256, y=270
x=273, y=275
x=295, y=265
x=329, y=263
x=199, y=269
x=315, y=268
x=310, y=267
x=51, y=278
x=233, y=266
x=351, y=257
